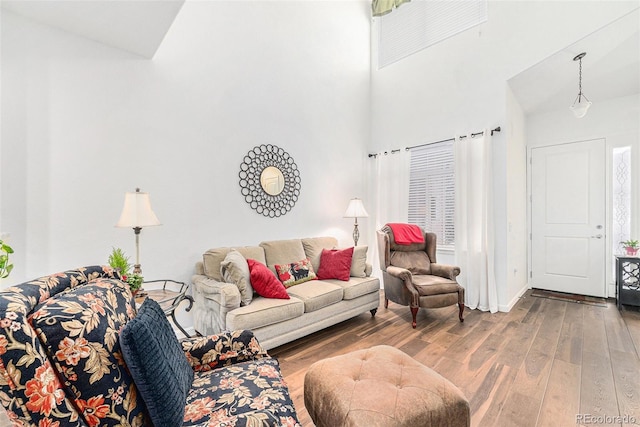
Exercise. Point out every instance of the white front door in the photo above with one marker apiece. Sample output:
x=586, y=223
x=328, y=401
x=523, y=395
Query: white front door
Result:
x=568, y=205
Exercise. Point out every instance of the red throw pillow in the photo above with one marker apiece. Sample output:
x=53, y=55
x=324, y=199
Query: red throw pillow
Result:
x=264, y=282
x=335, y=264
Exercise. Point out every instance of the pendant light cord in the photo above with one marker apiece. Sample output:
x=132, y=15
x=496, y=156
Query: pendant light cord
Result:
x=580, y=81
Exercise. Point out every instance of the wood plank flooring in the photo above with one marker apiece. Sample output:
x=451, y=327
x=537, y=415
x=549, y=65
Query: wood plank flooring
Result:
x=542, y=364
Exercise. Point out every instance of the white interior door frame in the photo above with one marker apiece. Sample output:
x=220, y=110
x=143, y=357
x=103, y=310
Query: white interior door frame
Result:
x=607, y=223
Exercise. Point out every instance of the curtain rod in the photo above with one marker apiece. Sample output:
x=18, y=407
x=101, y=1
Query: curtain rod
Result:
x=473, y=135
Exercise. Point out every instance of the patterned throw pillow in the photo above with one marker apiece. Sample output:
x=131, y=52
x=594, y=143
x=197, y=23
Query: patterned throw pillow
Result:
x=335, y=264
x=79, y=328
x=264, y=282
x=296, y=272
x=158, y=364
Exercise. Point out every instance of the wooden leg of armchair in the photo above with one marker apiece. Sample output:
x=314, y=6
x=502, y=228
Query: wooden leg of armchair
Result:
x=461, y=310
x=414, y=312
x=386, y=303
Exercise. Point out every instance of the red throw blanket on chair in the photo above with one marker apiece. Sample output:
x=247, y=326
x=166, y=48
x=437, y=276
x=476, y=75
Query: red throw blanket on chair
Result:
x=406, y=234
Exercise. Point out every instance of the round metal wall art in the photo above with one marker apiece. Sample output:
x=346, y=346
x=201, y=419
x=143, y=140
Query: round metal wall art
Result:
x=268, y=193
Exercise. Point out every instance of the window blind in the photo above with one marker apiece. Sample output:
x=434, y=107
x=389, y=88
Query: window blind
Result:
x=421, y=23
x=432, y=191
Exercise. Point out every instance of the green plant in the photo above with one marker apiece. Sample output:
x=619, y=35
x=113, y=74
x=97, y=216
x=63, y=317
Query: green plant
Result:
x=5, y=266
x=135, y=281
x=633, y=244
x=120, y=262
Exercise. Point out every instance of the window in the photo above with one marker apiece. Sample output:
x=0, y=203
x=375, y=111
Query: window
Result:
x=417, y=25
x=432, y=191
x=621, y=190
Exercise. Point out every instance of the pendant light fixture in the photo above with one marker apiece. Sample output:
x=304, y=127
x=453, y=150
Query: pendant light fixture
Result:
x=581, y=103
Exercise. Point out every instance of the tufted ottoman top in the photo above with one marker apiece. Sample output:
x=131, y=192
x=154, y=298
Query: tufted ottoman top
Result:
x=381, y=386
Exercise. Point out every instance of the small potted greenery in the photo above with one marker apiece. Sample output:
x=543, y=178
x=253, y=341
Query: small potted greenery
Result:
x=5, y=265
x=631, y=246
x=120, y=262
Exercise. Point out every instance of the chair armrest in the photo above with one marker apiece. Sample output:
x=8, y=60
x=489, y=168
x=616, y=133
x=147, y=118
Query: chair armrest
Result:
x=226, y=348
x=409, y=295
x=443, y=270
x=400, y=273
x=225, y=294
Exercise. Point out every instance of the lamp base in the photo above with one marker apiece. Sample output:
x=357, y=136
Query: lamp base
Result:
x=137, y=269
x=356, y=234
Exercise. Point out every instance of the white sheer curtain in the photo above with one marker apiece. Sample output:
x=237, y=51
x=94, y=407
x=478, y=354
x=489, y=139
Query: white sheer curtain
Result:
x=391, y=177
x=474, y=241
x=392, y=184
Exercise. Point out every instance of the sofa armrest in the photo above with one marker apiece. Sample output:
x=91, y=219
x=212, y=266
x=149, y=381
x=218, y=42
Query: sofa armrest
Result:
x=448, y=271
x=225, y=294
x=226, y=348
x=368, y=269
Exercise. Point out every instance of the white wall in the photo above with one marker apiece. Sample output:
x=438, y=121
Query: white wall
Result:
x=617, y=121
x=459, y=86
x=516, y=200
x=84, y=123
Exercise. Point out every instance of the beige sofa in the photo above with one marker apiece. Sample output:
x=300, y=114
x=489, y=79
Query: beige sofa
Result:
x=314, y=305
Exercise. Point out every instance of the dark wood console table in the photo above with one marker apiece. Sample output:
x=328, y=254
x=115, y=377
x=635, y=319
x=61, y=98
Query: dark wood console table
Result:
x=627, y=280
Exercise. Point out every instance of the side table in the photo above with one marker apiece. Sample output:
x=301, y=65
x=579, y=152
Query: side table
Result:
x=627, y=280
x=168, y=298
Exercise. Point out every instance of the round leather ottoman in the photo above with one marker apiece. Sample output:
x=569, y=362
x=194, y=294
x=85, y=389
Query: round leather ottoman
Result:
x=381, y=386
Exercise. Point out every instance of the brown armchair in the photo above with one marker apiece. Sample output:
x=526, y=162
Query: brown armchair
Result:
x=412, y=276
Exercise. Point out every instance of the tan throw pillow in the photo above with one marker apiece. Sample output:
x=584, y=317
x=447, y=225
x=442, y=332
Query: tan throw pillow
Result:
x=359, y=261
x=234, y=269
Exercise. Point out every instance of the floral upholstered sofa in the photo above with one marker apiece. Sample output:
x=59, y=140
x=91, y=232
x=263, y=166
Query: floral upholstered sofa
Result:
x=64, y=362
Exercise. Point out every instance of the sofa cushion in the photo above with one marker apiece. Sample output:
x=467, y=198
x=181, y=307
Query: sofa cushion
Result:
x=212, y=259
x=316, y=294
x=79, y=329
x=251, y=393
x=163, y=382
x=265, y=282
x=335, y=264
x=282, y=252
x=295, y=272
x=357, y=286
x=264, y=311
x=416, y=262
x=234, y=269
x=313, y=247
x=359, y=261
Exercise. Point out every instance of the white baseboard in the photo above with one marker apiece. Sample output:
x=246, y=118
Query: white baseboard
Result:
x=507, y=308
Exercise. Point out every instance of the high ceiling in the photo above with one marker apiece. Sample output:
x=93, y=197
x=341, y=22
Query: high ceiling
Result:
x=135, y=26
x=610, y=69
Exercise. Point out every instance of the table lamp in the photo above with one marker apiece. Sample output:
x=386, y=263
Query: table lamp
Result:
x=137, y=213
x=355, y=210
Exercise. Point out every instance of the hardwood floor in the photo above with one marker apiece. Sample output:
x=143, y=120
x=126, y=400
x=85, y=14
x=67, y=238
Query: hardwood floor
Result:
x=542, y=364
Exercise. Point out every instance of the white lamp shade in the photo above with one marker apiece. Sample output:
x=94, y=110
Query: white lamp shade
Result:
x=137, y=211
x=355, y=209
x=580, y=108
